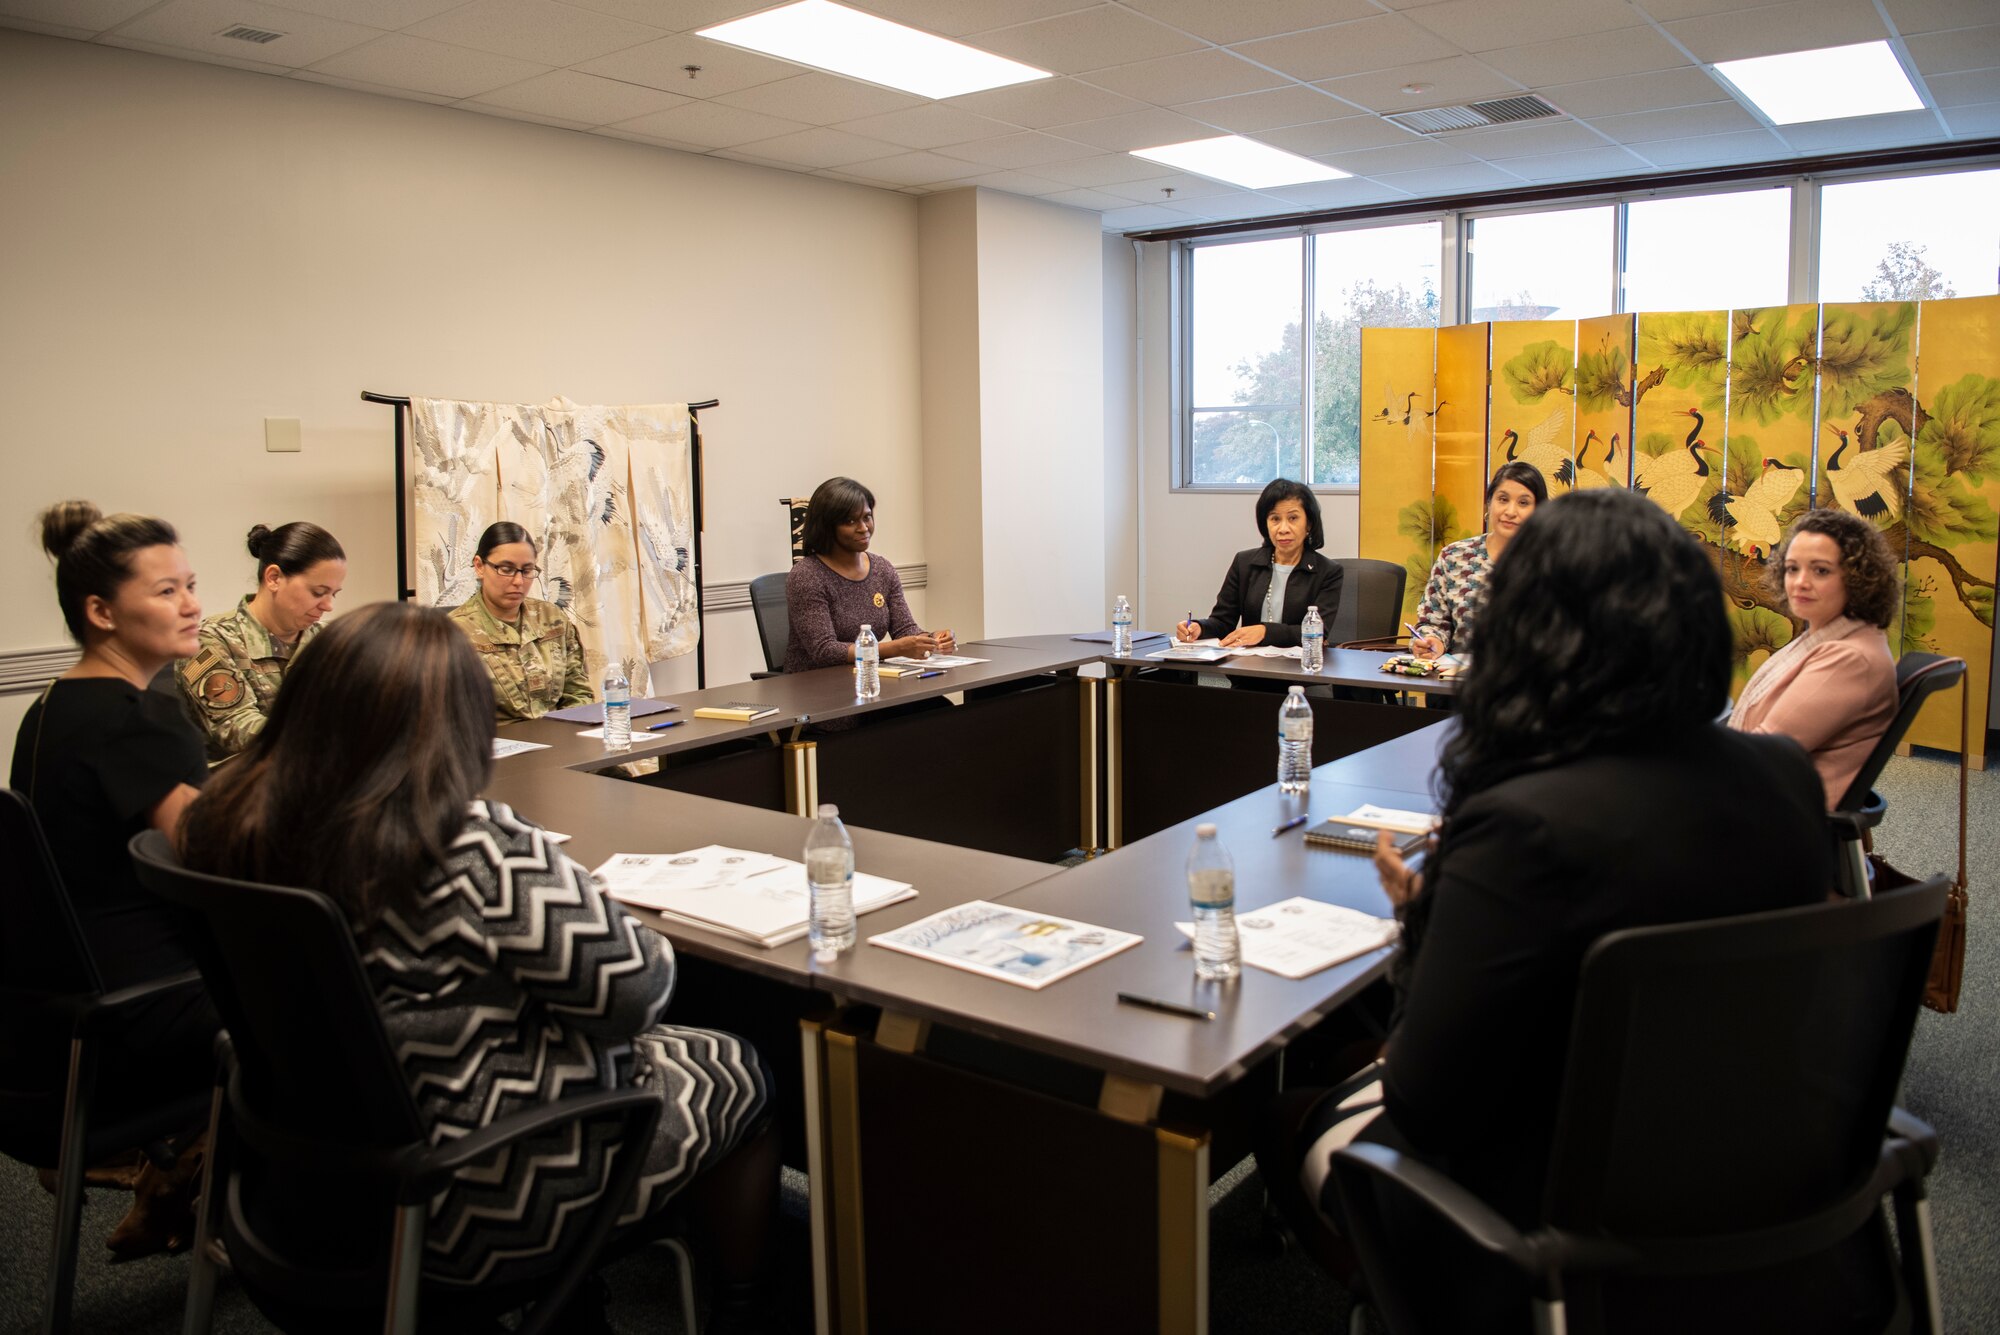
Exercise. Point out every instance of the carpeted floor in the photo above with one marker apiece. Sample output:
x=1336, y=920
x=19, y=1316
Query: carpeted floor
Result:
x=1953, y=1074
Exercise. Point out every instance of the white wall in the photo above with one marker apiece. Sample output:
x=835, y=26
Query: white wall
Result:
x=187, y=249
x=1187, y=538
x=1121, y=420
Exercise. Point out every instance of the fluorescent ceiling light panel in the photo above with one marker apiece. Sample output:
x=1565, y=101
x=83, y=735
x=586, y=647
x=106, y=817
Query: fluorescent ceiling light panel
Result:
x=846, y=41
x=1828, y=84
x=1240, y=161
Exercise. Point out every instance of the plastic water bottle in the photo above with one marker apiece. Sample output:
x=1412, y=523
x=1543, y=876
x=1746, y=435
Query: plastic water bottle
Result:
x=617, y=708
x=1295, y=742
x=867, y=665
x=1121, y=627
x=1212, y=891
x=1312, y=642
x=830, y=882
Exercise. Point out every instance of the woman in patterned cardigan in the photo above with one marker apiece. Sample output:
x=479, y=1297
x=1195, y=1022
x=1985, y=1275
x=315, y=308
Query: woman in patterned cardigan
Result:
x=1457, y=587
x=504, y=976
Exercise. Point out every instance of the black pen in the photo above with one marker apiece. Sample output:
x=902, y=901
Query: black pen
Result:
x=670, y=723
x=1291, y=824
x=1170, y=1007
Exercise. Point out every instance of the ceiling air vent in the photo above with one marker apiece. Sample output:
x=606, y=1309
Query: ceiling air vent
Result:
x=1475, y=115
x=243, y=33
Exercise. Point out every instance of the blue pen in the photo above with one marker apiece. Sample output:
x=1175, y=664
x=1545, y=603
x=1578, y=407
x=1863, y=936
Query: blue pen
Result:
x=934, y=672
x=670, y=723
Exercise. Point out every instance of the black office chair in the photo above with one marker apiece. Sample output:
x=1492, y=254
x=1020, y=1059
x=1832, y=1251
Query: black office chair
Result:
x=774, y=622
x=56, y=1022
x=1728, y=1108
x=321, y=1170
x=1371, y=601
x=1918, y=677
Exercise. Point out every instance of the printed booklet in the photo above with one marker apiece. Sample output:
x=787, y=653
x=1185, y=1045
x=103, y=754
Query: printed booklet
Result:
x=1029, y=949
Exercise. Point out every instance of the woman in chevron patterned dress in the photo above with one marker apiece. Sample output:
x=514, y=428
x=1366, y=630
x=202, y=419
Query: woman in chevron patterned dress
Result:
x=506, y=979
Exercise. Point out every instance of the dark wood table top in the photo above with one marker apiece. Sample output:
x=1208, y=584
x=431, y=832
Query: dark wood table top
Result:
x=1344, y=667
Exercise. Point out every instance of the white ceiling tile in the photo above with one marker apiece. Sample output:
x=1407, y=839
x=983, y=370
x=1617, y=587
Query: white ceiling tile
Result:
x=1337, y=136
x=1090, y=39
x=662, y=64
x=1028, y=149
x=819, y=99
x=1531, y=139
x=1015, y=183
x=1348, y=48
x=402, y=61
x=1974, y=121
x=1337, y=194
x=1413, y=156
x=1248, y=20
x=387, y=14
x=1677, y=123
x=1444, y=82
x=1771, y=29
x=1487, y=25
x=1590, y=164
x=1890, y=131
x=1184, y=186
x=20, y=24
x=581, y=97
x=1145, y=216
x=1440, y=182
x=1668, y=10
x=927, y=126
x=1686, y=86
x=555, y=34
x=674, y=15
x=820, y=147
x=956, y=18
x=194, y=25
x=363, y=86
x=710, y=125
x=1186, y=78
x=1138, y=129
x=1967, y=88
x=1605, y=54
x=1912, y=16
x=650, y=140
x=1046, y=102
x=1949, y=52
x=182, y=53
x=90, y=15
x=841, y=174
x=1293, y=105
x=1094, y=200
x=911, y=169
x=1245, y=204
x=510, y=114
x=1717, y=149
x=1106, y=169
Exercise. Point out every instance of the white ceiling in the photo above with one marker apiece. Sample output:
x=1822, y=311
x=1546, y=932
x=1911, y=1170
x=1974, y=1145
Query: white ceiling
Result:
x=1311, y=76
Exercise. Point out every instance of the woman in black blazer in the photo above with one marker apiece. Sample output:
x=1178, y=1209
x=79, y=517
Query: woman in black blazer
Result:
x=1247, y=612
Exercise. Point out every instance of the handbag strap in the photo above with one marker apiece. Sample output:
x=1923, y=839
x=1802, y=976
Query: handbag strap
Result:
x=1964, y=764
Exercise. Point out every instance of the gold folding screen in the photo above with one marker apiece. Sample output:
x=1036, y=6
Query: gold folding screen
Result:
x=1734, y=422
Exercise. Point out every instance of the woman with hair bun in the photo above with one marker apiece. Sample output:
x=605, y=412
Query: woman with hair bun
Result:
x=530, y=647
x=100, y=757
x=1457, y=588
x=234, y=676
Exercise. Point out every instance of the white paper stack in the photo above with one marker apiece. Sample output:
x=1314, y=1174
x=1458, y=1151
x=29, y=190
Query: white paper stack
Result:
x=755, y=897
x=1299, y=937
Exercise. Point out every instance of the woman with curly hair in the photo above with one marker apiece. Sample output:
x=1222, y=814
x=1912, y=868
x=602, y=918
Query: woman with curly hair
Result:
x=1833, y=688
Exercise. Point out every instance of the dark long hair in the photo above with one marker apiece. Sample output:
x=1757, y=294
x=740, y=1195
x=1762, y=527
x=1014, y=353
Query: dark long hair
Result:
x=500, y=534
x=359, y=782
x=294, y=548
x=93, y=553
x=833, y=503
x=1284, y=489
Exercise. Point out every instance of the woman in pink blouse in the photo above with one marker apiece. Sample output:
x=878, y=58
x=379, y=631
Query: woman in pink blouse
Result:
x=1833, y=688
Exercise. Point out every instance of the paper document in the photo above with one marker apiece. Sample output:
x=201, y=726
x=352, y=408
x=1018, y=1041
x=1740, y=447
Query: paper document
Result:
x=1299, y=937
x=1028, y=949
x=507, y=746
x=935, y=661
x=1199, y=651
x=755, y=897
x=1391, y=818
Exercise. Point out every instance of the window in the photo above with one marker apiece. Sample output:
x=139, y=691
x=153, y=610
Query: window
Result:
x=1910, y=238
x=1376, y=278
x=1542, y=266
x=1709, y=252
x=1244, y=360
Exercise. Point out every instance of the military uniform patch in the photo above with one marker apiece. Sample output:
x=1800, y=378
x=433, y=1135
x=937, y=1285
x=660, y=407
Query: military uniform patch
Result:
x=221, y=690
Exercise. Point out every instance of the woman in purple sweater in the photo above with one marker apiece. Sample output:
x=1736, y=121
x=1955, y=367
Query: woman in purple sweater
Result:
x=839, y=586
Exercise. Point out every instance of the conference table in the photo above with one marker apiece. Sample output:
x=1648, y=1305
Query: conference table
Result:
x=966, y=1138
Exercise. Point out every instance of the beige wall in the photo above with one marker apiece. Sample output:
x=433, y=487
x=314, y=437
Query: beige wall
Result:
x=186, y=250
x=948, y=264
x=1121, y=421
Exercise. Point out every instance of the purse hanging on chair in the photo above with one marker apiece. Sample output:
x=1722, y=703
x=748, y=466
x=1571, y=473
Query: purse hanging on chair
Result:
x=1948, y=963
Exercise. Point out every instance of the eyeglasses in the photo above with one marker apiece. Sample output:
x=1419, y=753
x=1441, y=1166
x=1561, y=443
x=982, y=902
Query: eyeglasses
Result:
x=508, y=570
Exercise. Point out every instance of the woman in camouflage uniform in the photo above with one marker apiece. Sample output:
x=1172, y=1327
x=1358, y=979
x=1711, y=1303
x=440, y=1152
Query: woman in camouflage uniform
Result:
x=530, y=647
x=234, y=676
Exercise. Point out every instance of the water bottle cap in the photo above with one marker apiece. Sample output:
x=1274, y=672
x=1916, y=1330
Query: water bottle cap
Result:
x=1204, y=831
x=1296, y=690
x=866, y=626
x=828, y=811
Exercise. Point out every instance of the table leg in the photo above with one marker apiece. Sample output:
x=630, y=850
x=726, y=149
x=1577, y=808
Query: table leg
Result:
x=1088, y=688
x=1114, y=762
x=1182, y=1201
x=802, y=778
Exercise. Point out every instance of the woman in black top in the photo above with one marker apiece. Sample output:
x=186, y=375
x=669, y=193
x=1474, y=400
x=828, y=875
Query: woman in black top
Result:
x=1248, y=610
x=100, y=757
